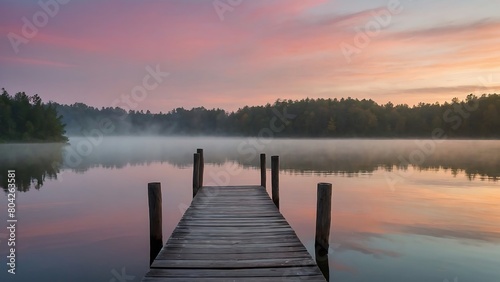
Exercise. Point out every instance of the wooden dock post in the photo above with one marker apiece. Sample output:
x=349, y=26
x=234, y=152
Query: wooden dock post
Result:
x=323, y=221
x=155, y=223
x=196, y=173
x=202, y=166
x=275, y=180
x=263, y=170
x=323, y=214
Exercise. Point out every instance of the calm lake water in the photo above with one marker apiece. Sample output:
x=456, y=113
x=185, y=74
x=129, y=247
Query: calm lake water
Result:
x=402, y=210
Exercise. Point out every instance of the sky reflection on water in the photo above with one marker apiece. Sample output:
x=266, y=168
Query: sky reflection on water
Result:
x=431, y=225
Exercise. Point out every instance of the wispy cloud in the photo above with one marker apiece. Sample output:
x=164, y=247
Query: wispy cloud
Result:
x=34, y=61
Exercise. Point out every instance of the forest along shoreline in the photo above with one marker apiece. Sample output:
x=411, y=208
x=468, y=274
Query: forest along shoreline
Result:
x=27, y=119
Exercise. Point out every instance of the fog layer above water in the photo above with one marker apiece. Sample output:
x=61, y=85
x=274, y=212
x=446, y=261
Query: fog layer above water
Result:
x=477, y=158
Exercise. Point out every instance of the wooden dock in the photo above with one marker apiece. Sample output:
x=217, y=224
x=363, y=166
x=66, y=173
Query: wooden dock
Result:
x=233, y=234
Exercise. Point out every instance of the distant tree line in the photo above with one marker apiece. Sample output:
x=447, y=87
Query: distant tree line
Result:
x=25, y=118
x=474, y=117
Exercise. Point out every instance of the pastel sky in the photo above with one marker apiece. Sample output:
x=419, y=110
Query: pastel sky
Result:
x=249, y=52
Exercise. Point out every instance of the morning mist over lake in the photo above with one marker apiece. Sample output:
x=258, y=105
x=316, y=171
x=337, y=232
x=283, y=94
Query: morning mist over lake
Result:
x=224, y=140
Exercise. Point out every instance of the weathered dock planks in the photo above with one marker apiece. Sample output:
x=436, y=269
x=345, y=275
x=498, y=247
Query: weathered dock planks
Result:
x=233, y=234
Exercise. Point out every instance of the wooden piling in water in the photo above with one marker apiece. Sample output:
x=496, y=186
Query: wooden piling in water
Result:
x=155, y=220
x=196, y=173
x=202, y=167
x=323, y=214
x=275, y=180
x=263, y=170
x=323, y=221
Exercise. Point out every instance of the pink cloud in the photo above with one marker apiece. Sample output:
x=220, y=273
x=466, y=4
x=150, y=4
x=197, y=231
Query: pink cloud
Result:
x=31, y=61
x=279, y=9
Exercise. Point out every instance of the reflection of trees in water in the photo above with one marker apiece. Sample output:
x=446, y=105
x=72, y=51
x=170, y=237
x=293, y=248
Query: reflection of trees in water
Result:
x=352, y=157
x=343, y=157
x=33, y=164
x=474, y=163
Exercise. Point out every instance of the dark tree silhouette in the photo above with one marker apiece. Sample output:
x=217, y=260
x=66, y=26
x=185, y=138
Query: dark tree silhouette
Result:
x=25, y=118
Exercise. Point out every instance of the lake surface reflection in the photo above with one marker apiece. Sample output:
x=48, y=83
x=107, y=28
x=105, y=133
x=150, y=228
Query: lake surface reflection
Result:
x=402, y=210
